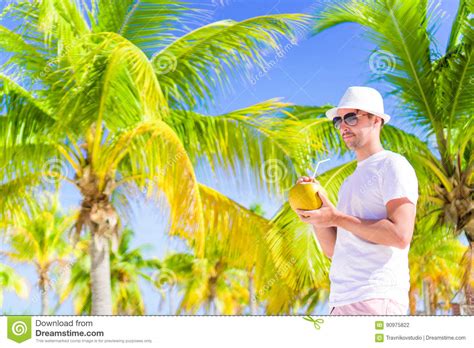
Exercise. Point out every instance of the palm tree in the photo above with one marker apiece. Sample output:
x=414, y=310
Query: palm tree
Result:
x=219, y=282
x=206, y=283
x=434, y=265
x=283, y=264
x=10, y=280
x=102, y=97
x=255, y=208
x=128, y=266
x=39, y=240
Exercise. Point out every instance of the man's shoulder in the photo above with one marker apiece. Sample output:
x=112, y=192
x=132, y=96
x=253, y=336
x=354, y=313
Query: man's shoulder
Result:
x=396, y=162
x=395, y=158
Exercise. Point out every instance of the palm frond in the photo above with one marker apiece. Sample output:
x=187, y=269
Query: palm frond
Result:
x=294, y=247
x=149, y=24
x=210, y=56
x=39, y=237
x=153, y=145
x=235, y=231
x=62, y=21
x=11, y=281
x=22, y=53
x=25, y=131
x=455, y=82
x=281, y=262
x=248, y=140
x=332, y=179
x=17, y=197
x=128, y=265
x=435, y=256
x=465, y=8
x=309, y=127
x=402, y=33
x=117, y=83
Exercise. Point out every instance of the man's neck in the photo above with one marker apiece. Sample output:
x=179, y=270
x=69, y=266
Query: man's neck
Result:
x=367, y=151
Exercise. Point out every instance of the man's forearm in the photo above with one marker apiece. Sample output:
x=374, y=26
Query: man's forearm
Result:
x=381, y=231
x=327, y=239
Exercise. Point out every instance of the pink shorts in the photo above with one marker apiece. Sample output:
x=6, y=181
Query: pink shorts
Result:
x=374, y=306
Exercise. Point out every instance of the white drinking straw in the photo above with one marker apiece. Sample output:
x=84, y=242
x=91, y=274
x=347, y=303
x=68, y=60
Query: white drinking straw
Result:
x=317, y=166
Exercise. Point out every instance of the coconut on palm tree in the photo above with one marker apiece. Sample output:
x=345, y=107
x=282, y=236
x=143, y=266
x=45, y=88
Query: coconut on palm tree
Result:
x=102, y=97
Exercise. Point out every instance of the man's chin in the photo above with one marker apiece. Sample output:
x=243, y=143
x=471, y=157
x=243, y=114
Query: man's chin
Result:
x=350, y=144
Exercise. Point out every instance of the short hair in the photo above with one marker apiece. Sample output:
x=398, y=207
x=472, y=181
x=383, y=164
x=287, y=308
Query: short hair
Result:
x=372, y=115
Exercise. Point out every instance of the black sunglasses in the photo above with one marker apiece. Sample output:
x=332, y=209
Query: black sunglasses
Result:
x=350, y=119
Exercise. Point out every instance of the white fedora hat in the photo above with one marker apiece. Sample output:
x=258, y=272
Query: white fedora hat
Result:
x=363, y=98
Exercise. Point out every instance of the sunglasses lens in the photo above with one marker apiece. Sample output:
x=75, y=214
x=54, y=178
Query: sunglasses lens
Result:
x=336, y=121
x=350, y=118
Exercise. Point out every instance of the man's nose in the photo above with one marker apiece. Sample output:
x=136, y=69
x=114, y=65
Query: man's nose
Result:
x=343, y=127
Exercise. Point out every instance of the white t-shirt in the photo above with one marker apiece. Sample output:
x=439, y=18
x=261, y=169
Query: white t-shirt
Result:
x=360, y=269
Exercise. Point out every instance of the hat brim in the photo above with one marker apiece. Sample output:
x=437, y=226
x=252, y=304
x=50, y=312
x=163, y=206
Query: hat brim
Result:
x=331, y=113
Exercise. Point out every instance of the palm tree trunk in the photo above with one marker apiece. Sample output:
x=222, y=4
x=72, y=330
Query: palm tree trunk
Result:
x=252, y=295
x=412, y=298
x=171, y=301
x=100, y=275
x=44, y=302
x=427, y=297
x=468, y=276
x=43, y=286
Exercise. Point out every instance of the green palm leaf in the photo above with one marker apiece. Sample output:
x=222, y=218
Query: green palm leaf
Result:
x=128, y=265
x=11, y=281
x=200, y=61
x=403, y=38
x=251, y=135
x=146, y=23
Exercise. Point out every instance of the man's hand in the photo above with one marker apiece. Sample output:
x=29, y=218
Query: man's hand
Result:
x=325, y=235
x=323, y=217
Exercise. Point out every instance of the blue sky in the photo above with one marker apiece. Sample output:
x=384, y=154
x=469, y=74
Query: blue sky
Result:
x=316, y=71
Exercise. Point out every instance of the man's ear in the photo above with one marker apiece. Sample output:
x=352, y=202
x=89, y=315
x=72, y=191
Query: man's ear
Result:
x=379, y=120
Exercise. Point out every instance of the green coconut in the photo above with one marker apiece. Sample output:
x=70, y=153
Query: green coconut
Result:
x=305, y=196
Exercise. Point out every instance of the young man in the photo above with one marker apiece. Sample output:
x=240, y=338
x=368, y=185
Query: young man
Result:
x=368, y=234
